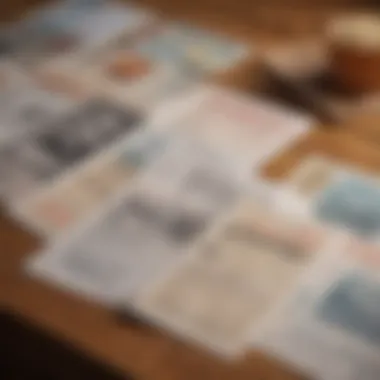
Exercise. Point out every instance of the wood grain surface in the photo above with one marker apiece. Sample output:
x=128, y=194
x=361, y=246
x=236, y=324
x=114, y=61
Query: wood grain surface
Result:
x=137, y=349
x=338, y=145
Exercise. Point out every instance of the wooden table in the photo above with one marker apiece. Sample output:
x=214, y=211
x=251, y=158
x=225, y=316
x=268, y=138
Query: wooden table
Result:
x=139, y=350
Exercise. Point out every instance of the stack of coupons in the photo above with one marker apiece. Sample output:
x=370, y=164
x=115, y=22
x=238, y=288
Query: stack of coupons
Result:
x=161, y=204
x=143, y=177
x=78, y=79
x=57, y=176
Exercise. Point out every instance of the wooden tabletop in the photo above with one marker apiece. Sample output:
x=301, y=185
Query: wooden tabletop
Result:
x=141, y=351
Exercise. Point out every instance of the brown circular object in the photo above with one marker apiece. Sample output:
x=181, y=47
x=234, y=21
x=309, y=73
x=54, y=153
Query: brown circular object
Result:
x=355, y=52
x=128, y=67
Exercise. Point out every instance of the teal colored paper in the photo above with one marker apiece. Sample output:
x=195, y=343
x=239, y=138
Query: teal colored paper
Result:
x=353, y=305
x=144, y=150
x=353, y=203
x=173, y=43
x=85, y=24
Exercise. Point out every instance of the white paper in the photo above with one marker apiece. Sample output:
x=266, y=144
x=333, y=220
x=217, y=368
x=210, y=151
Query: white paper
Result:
x=143, y=232
x=232, y=278
x=246, y=129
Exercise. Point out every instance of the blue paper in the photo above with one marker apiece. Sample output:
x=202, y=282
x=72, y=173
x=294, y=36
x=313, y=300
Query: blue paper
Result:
x=353, y=203
x=139, y=153
x=174, y=45
x=354, y=306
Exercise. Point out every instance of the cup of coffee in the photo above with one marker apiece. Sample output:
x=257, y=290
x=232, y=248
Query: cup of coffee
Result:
x=354, y=52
